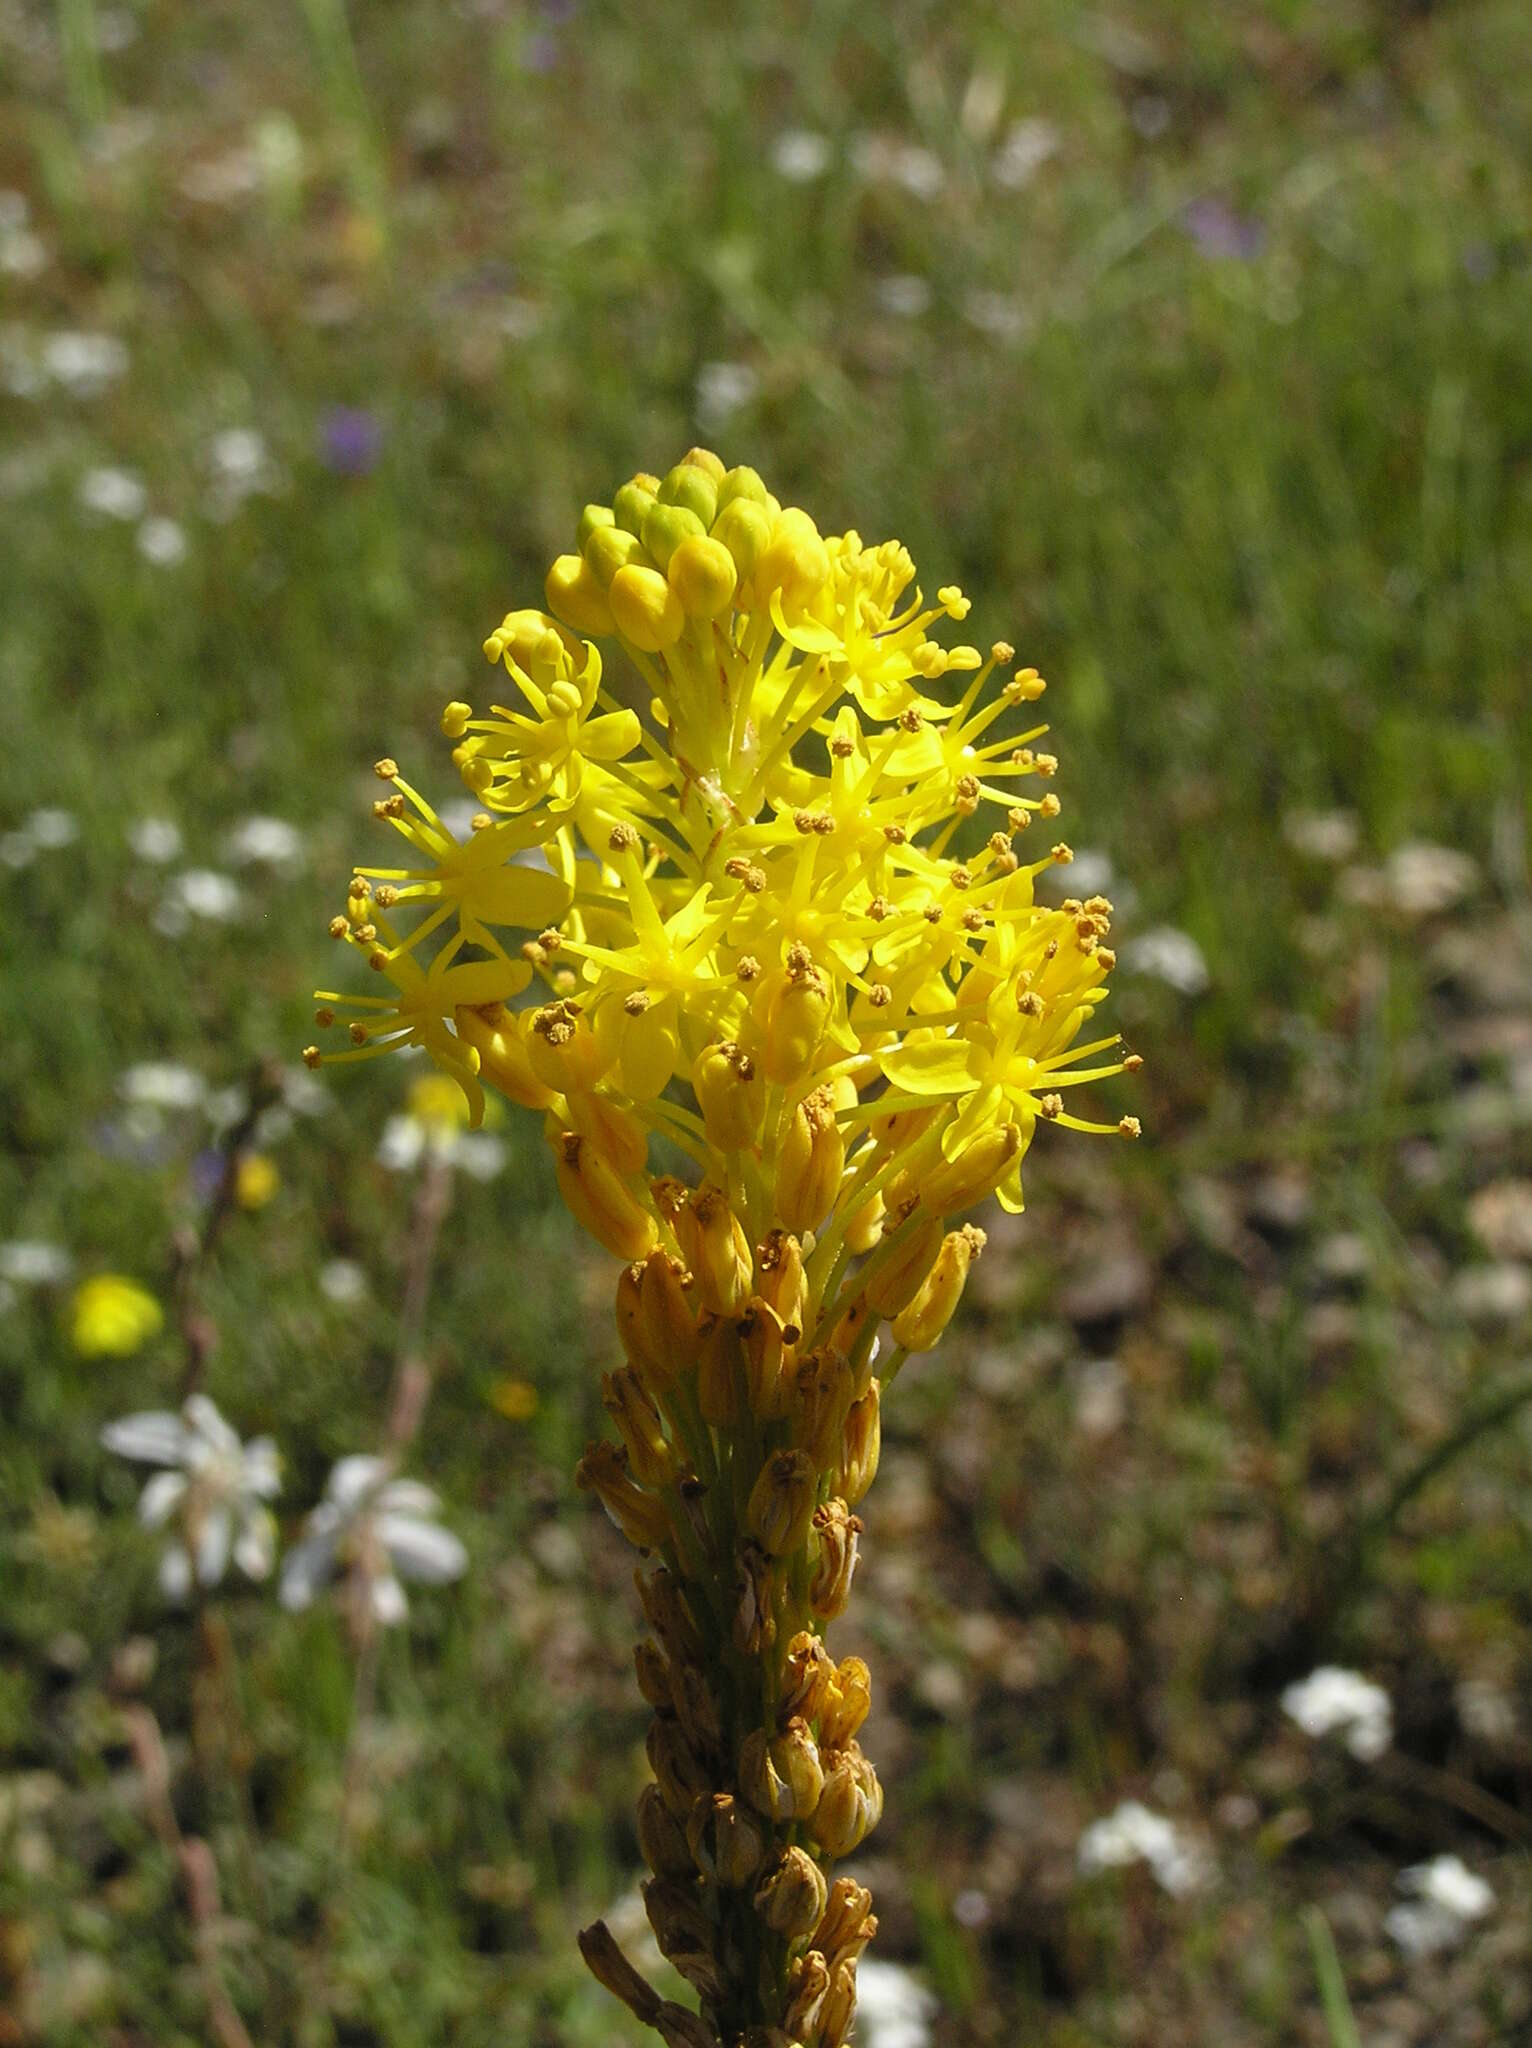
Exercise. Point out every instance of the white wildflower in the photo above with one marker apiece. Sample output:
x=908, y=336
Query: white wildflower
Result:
x=800, y=155
x=269, y=842
x=85, y=364
x=1026, y=148
x=162, y=542
x=50, y=828
x=886, y=160
x=904, y=297
x=241, y=466
x=216, y=1486
x=893, y=2008
x=1171, y=956
x=203, y=892
x=343, y=1281
x=381, y=1529
x=113, y=493
x=1332, y=1701
x=30, y=1262
x=723, y=389
x=1132, y=1834
x=1322, y=835
x=163, y=1084
x=155, y=839
x=995, y=314
x=1447, y=1897
x=17, y=850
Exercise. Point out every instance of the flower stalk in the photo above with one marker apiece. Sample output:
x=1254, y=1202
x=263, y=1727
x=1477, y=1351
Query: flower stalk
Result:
x=745, y=920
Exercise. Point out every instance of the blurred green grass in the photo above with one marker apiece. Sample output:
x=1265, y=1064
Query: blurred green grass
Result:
x=1223, y=417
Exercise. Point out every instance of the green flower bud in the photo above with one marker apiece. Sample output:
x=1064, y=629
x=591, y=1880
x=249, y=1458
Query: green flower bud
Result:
x=592, y=517
x=692, y=488
x=665, y=527
x=743, y=482
x=610, y=548
x=630, y=505
x=744, y=528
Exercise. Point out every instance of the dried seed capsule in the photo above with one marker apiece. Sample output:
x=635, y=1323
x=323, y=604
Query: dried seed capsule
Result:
x=782, y=1501
x=755, y=1625
x=661, y=1837
x=653, y=1669
x=918, y=1326
x=810, y=1162
x=808, y=1979
x=666, y=1612
x=781, y=1775
x=830, y=1587
x=678, y=1916
x=726, y=1839
x=839, y=2008
x=806, y=1674
x=791, y=1897
x=695, y=1707
x=847, y=1907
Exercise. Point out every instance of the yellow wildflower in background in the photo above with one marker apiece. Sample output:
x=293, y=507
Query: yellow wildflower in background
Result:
x=256, y=1180
x=745, y=917
x=111, y=1317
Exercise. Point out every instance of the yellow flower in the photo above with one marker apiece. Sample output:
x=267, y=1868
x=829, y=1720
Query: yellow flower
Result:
x=256, y=1180
x=111, y=1317
x=515, y=1399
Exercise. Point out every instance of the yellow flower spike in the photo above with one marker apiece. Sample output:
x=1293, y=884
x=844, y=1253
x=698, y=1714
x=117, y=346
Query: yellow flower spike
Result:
x=810, y=1162
x=575, y=596
x=919, y=1325
x=702, y=574
x=645, y=609
x=597, y=1197
x=111, y=1317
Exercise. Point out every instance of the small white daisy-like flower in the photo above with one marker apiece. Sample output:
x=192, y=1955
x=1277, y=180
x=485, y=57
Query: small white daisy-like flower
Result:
x=1333, y=1701
x=113, y=493
x=1132, y=1834
x=85, y=364
x=155, y=839
x=1446, y=1898
x=266, y=842
x=162, y=541
x=28, y=1262
x=379, y=1528
x=163, y=1084
x=1168, y=955
x=216, y=1486
x=801, y=155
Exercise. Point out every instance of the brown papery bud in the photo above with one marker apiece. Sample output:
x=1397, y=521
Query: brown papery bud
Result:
x=611, y=1969
x=679, y=2027
x=822, y=1392
x=661, y=1837
x=726, y=1839
x=782, y=1501
x=839, y=2008
x=810, y=1162
x=830, y=1587
x=695, y=1707
x=849, y=1807
x=846, y=1704
x=678, y=1770
x=791, y=1898
x=667, y=1614
x=653, y=1670
x=642, y=1519
x=848, y=1906
x=755, y=1624
x=767, y=1360
x=781, y=1775
x=808, y=1980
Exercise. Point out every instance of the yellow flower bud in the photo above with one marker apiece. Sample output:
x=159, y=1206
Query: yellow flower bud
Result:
x=781, y=1280
x=744, y=528
x=645, y=609
x=846, y=1704
x=666, y=526
x=743, y=482
x=504, y=1060
x=714, y=1245
x=705, y=460
x=615, y=1132
x=866, y=1226
x=642, y=1519
x=807, y=1671
x=668, y=1329
x=592, y=519
x=631, y=505
x=731, y=1095
x=928, y=1314
x=611, y=548
x=781, y=1775
x=897, y=1281
x=794, y=561
x=597, y=1197
x=564, y=1052
x=650, y=1456
x=862, y=1443
x=767, y=1360
x=782, y=1502
x=822, y=1391
x=810, y=1163
x=682, y=1776
x=850, y=1806
x=693, y=489
x=791, y=1897
x=792, y=1009
x=956, y=1184
x=576, y=597
x=720, y=1370
x=701, y=572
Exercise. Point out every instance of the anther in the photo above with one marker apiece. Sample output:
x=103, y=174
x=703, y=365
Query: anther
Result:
x=339, y=926
x=623, y=839
x=357, y=1033
x=635, y=1004
x=1130, y=1127
x=312, y=1057
x=386, y=769
x=324, y=1019
x=1062, y=855
x=1051, y=1106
